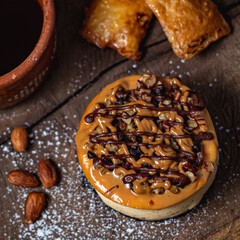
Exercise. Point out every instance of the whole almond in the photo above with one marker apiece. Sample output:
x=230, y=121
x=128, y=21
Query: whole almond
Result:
x=19, y=138
x=47, y=173
x=22, y=178
x=34, y=206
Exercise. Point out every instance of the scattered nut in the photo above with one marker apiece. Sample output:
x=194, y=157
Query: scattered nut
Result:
x=47, y=173
x=34, y=206
x=22, y=178
x=19, y=139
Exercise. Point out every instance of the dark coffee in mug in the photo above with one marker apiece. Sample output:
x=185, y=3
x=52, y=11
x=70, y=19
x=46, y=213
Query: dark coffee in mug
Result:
x=20, y=28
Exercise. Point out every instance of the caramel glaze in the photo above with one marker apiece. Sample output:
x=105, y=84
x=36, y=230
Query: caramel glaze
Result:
x=136, y=146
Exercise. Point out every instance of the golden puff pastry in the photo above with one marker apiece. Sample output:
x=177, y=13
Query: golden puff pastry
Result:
x=119, y=24
x=190, y=25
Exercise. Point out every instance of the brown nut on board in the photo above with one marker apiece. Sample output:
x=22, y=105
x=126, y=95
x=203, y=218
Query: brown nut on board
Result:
x=47, y=173
x=19, y=139
x=34, y=206
x=22, y=178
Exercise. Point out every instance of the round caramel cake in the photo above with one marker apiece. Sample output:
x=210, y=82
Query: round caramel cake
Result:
x=148, y=146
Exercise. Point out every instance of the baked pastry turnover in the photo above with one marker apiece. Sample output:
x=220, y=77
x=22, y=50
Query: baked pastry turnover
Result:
x=190, y=25
x=119, y=24
x=148, y=146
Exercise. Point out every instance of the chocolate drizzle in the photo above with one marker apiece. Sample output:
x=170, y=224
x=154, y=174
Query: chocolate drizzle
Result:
x=90, y=117
x=199, y=137
x=154, y=95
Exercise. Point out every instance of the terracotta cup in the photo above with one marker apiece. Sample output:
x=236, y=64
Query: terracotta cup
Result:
x=22, y=81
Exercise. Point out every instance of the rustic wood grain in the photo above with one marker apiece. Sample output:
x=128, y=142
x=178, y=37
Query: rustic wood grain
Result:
x=74, y=210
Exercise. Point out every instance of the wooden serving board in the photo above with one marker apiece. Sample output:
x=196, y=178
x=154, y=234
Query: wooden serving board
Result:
x=52, y=115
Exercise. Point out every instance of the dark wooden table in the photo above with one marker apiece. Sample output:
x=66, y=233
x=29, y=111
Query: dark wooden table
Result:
x=52, y=115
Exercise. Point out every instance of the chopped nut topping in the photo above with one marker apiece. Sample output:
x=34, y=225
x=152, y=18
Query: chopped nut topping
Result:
x=158, y=190
x=149, y=80
x=122, y=125
x=98, y=130
x=108, y=103
x=191, y=176
x=162, y=116
x=203, y=128
x=130, y=128
x=111, y=147
x=131, y=112
x=192, y=123
x=174, y=189
x=145, y=91
x=175, y=145
x=209, y=166
x=126, y=120
x=147, y=98
x=167, y=102
x=201, y=122
x=144, y=77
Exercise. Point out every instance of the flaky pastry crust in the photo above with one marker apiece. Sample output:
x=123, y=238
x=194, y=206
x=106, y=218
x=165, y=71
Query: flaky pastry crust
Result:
x=190, y=25
x=119, y=24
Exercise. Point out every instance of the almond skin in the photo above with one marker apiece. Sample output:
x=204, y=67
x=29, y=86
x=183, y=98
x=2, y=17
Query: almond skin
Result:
x=34, y=206
x=22, y=178
x=47, y=173
x=19, y=139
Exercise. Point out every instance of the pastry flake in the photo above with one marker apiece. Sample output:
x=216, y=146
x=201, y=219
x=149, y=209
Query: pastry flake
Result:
x=119, y=24
x=190, y=25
